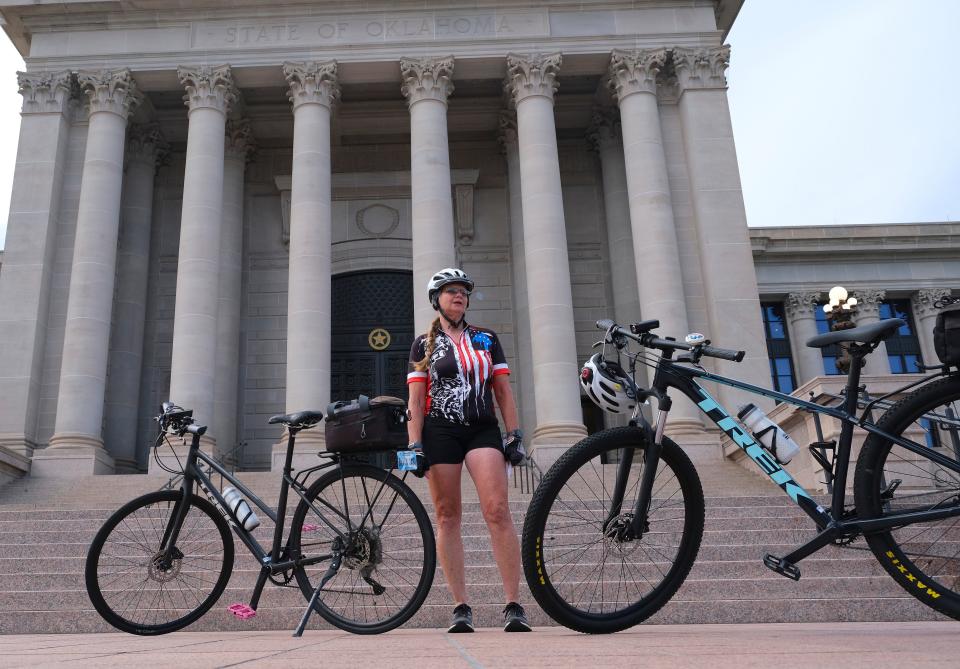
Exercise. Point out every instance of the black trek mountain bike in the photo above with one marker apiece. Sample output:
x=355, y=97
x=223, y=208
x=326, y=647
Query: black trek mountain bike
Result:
x=360, y=546
x=616, y=523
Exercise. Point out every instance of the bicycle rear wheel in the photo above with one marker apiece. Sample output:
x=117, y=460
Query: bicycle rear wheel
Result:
x=578, y=570
x=132, y=590
x=924, y=558
x=385, y=537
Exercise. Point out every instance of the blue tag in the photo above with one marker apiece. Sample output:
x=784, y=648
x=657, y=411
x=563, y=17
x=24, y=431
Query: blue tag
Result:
x=406, y=461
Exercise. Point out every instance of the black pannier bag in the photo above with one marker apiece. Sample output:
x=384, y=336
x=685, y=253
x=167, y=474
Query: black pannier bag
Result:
x=946, y=333
x=366, y=424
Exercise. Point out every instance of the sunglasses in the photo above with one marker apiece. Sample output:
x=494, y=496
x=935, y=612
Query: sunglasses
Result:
x=457, y=291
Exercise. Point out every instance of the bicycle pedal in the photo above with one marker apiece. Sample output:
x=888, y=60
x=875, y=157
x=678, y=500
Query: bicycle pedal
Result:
x=309, y=527
x=781, y=566
x=242, y=611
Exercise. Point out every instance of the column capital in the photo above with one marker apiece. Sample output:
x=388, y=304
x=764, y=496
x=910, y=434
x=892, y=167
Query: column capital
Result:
x=924, y=300
x=208, y=87
x=46, y=91
x=239, y=141
x=426, y=79
x=113, y=91
x=635, y=71
x=801, y=305
x=532, y=75
x=868, y=302
x=604, y=130
x=146, y=143
x=702, y=67
x=507, y=129
x=312, y=82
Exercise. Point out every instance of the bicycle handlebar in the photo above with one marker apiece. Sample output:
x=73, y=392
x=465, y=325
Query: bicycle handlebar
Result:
x=644, y=338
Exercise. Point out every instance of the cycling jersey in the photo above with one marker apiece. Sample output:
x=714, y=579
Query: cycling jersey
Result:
x=459, y=387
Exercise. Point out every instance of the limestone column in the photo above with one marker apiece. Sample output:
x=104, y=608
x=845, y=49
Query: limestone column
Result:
x=925, y=317
x=633, y=82
x=518, y=275
x=209, y=93
x=112, y=94
x=531, y=83
x=726, y=257
x=238, y=150
x=802, y=321
x=145, y=148
x=426, y=86
x=868, y=311
x=313, y=91
x=29, y=250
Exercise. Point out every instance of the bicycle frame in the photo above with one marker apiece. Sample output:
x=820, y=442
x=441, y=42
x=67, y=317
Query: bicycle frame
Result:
x=832, y=525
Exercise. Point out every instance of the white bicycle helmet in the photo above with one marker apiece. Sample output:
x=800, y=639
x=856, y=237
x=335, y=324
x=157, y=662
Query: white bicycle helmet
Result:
x=442, y=278
x=606, y=384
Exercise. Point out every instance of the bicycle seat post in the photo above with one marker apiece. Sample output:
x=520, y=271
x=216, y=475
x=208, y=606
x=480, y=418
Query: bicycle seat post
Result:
x=284, y=489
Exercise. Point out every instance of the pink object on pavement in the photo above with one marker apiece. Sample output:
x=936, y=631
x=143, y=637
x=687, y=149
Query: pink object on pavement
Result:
x=242, y=611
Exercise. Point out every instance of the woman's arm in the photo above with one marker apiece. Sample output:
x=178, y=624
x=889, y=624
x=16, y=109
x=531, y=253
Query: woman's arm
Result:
x=416, y=403
x=504, y=395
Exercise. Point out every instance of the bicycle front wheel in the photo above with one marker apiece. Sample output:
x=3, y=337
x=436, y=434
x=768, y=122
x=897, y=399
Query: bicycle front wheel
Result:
x=379, y=526
x=130, y=586
x=924, y=558
x=580, y=569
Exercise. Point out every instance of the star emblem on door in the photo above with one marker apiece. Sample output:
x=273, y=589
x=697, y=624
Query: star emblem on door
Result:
x=379, y=339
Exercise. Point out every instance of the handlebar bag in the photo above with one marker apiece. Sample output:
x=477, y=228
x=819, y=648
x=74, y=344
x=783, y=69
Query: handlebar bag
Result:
x=365, y=424
x=946, y=336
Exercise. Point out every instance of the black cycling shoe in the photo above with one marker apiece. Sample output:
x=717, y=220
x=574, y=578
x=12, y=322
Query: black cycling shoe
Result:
x=462, y=620
x=515, y=618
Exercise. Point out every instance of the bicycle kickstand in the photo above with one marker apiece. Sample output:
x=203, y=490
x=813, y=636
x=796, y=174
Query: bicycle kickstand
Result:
x=331, y=572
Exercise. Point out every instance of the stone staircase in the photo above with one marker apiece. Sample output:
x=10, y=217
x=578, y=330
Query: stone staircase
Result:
x=46, y=527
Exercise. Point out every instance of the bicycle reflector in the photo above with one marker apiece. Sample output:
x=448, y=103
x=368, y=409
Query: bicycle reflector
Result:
x=606, y=385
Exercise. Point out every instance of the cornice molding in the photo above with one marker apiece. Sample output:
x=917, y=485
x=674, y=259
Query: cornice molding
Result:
x=426, y=79
x=312, y=82
x=208, y=87
x=532, y=76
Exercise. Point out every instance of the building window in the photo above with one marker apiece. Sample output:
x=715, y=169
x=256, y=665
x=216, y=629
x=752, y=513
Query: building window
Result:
x=829, y=353
x=778, y=347
x=903, y=348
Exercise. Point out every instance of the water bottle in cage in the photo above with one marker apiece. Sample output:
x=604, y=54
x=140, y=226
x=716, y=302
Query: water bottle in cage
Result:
x=768, y=433
x=240, y=509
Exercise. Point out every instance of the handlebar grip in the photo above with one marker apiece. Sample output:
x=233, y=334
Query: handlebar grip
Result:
x=605, y=324
x=725, y=354
x=198, y=430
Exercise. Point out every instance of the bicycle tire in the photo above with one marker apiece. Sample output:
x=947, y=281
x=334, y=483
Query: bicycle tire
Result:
x=924, y=559
x=125, y=585
x=348, y=601
x=550, y=542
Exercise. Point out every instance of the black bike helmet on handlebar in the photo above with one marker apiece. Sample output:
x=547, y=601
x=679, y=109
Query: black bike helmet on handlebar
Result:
x=607, y=384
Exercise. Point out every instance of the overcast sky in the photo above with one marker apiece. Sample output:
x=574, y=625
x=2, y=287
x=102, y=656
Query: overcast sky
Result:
x=844, y=111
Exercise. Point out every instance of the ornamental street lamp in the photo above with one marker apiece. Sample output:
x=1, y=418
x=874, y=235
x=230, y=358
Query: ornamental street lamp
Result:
x=840, y=310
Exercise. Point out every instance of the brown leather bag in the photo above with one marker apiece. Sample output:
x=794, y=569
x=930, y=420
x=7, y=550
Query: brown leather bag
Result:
x=365, y=424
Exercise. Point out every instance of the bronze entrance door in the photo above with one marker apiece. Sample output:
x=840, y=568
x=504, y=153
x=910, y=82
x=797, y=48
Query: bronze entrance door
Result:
x=372, y=333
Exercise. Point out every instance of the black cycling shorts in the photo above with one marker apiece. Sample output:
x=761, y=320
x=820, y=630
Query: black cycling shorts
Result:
x=446, y=443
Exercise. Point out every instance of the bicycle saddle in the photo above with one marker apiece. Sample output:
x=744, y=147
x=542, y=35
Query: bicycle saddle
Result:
x=299, y=419
x=864, y=334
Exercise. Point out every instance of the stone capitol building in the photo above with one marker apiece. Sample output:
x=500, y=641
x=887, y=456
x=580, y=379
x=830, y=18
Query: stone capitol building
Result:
x=237, y=205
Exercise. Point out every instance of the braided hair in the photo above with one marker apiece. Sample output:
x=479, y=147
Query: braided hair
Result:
x=428, y=346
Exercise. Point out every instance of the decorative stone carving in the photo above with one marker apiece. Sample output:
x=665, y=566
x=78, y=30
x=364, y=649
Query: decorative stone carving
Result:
x=924, y=299
x=378, y=220
x=239, y=141
x=604, y=129
x=112, y=91
x=312, y=82
x=146, y=143
x=426, y=79
x=507, y=129
x=635, y=71
x=45, y=91
x=285, y=200
x=463, y=208
x=868, y=303
x=208, y=87
x=531, y=75
x=801, y=305
x=701, y=68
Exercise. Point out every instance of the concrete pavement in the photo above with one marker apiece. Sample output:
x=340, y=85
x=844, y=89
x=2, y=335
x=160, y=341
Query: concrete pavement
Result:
x=846, y=645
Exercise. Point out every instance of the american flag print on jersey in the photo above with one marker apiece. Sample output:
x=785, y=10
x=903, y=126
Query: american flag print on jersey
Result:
x=459, y=379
